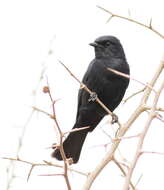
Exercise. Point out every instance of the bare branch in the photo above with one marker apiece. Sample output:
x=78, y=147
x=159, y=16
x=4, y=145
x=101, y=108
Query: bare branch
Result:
x=12, y=176
x=142, y=137
x=75, y=129
x=139, y=179
x=51, y=175
x=134, y=94
x=112, y=15
x=152, y=152
x=123, y=171
x=152, y=82
x=129, y=77
x=28, y=177
x=45, y=163
x=157, y=109
x=128, y=137
x=47, y=90
x=52, y=117
x=150, y=24
x=42, y=111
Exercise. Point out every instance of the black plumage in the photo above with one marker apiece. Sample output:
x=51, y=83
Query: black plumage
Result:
x=109, y=87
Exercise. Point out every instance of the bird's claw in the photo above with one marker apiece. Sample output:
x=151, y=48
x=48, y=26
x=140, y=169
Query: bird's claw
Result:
x=114, y=118
x=93, y=97
x=55, y=146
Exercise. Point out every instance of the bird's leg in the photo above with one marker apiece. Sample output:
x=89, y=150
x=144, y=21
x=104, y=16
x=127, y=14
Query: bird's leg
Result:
x=114, y=118
x=93, y=97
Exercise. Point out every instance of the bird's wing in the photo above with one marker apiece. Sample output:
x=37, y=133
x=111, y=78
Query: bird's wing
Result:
x=92, y=79
x=108, y=86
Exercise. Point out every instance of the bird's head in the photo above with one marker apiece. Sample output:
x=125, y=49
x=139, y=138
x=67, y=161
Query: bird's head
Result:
x=108, y=46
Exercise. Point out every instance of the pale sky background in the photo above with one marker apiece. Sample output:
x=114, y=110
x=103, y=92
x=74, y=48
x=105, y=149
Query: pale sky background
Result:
x=28, y=31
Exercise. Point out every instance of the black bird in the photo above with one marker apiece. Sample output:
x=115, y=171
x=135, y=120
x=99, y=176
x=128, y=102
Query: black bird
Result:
x=109, y=88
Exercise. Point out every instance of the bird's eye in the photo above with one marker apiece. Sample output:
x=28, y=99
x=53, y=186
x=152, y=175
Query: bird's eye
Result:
x=107, y=44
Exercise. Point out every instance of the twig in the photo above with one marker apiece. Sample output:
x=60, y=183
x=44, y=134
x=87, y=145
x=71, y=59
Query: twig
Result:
x=157, y=115
x=129, y=77
x=128, y=137
x=29, y=174
x=157, y=109
x=106, y=134
x=159, y=118
x=10, y=178
x=42, y=111
x=139, y=179
x=150, y=27
x=52, y=117
x=151, y=152
x=134, y=94
x=70, y=169
x=152, y=83
x=45, y=163
x=123, y=171
x=51, y=175
x=75, y=129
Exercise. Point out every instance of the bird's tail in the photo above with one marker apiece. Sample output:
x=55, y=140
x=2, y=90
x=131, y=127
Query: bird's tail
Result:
x=72, y=145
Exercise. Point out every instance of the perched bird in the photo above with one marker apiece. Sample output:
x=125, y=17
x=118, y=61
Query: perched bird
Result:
x=108, y=87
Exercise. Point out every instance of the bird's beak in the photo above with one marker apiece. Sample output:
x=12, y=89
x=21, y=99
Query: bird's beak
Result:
x=94, y=44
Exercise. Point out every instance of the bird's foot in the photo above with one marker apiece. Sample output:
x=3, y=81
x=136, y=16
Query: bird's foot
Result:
x=114, y=118
x=93, y=97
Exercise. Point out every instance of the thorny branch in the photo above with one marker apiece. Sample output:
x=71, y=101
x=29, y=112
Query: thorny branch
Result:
x=123, y=171
x=11, y=165
x=149, y=27
x=129, y=77
x=142, y=137
x=52, y=117
x=134, y=94
x=46, y=89
x=124, y=128
x=45, y=163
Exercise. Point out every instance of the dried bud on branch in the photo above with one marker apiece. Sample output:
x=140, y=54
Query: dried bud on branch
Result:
x=46, y=89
